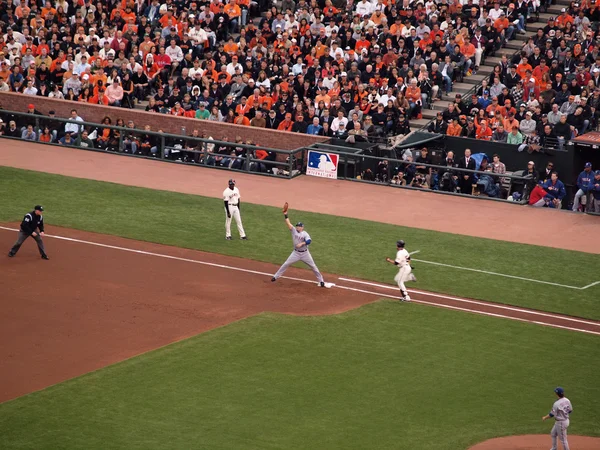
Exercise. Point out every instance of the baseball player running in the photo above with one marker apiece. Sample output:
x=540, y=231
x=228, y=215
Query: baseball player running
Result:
x=561, y=411
x=32, y=221
x=404, y=270
x=231, y=198
x=301, y=241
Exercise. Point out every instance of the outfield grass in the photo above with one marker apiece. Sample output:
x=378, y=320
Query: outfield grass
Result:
x=385, y=376
x=340, y=245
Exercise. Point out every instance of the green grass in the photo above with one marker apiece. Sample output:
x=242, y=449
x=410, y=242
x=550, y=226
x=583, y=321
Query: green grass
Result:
x=385, y=376
x=340, y=245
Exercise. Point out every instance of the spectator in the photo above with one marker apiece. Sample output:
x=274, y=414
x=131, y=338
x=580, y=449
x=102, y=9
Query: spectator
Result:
x=514, y=137
x=114, y=93
x=67, y=139
x=315, y=127
x=29, y=134
x=439, y=125
x=500, y=135
x=584, y=184
x=563, y=131
x=46, y=136
x=84, y=141
x=421, y=166
x=555, y=192
x=546, y=172
x=595, y=190
x=528, y=125
x=466, y=179
x=73, y=128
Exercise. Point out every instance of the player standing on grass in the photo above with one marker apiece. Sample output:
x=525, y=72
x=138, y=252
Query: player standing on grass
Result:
x=561, y=411
x=404, y=270
x=301, y=241
x=32, y=222
x=232, y=200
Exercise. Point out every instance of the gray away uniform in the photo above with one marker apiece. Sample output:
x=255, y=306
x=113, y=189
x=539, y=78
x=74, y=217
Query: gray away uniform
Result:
x=300, y=254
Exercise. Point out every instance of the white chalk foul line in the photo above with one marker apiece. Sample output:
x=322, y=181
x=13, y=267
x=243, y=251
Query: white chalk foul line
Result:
x=514, y=277
x=475, y=302
x=256, y=272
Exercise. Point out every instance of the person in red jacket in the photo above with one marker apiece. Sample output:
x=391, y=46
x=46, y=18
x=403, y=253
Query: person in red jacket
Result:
x=286, y=124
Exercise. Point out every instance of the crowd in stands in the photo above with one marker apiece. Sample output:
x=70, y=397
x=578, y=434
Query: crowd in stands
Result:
x=543, y=97
x=328, y=67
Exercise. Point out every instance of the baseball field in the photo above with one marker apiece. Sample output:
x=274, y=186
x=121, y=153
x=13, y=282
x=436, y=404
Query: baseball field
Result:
x=147, y=329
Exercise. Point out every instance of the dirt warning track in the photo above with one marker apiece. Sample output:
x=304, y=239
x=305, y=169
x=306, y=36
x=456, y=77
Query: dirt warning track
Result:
x=103, y=299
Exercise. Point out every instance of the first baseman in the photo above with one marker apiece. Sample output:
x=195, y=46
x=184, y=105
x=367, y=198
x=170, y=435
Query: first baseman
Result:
x=232, y=200
x=32, y=225
x=561, y=411
x=404, y=269
x=301, y=240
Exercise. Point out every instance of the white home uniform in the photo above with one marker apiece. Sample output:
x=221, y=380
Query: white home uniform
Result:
x=232, y=197
x=561, y=410
x=300, y=254
x=404, y=271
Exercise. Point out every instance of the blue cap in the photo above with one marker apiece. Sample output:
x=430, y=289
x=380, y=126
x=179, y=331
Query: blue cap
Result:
x=299, y=224
x=559, y=391
x=400, y=243
x=588, y=164
x=597, y=172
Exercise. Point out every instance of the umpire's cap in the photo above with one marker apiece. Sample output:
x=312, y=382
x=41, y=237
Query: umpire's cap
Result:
x=400, y=243
x=559, y=391
x=38, y=208
x=231, y=181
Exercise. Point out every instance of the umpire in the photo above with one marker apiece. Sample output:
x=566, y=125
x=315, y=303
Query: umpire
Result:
x=31, y=222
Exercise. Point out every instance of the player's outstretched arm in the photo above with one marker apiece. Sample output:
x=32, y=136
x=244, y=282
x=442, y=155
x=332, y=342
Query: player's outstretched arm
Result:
x=285, y=215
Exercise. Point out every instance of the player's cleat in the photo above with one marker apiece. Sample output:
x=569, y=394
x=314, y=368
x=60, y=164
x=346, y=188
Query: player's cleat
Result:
x=228, y=238
x=11, y=254
x=245, y=238
x=45, y=257
x=273, y=279
x=406, y=298
x=413, y=278
x=322, y=284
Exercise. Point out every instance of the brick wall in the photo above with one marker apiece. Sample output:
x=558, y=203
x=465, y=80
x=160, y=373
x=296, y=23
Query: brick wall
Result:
x=169, y=124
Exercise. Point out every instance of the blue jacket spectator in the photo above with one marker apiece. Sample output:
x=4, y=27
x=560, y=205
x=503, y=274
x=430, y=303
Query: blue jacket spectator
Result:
x=315, y=128
x=584, y=182
x=555, y=191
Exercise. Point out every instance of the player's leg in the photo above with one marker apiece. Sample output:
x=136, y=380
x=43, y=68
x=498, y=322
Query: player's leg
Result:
x=238, y=221
x=20, y=239
x=227, y=225
x=40, y=244
x=310, y=262
x=563, y=434
x=554, y=434
x=294, y=257
x=400, y=278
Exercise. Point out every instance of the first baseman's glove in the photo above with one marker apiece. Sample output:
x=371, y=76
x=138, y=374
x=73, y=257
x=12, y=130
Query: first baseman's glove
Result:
x=285, y=208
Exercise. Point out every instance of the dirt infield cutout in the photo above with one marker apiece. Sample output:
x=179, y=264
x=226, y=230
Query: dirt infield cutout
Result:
x=536, y=442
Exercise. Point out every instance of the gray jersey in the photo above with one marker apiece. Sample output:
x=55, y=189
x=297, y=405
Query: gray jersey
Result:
x=561, y=409
x=298, y=238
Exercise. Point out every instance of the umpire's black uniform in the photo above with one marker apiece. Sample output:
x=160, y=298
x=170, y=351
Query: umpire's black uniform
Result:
x=31, y=222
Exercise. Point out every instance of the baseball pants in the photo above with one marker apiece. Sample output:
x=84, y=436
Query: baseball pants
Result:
x=303, y=256
x=234, y=212
x=22, y=238
x=404, y=275
x=559, y=432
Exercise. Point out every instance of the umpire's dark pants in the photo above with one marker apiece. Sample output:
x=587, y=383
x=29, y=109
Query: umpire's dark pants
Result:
x=22, y=237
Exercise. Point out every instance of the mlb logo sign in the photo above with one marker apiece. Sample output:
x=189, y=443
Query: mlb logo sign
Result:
x=320, y=164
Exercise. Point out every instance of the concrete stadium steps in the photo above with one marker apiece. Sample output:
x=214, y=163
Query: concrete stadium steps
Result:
x=468, y=83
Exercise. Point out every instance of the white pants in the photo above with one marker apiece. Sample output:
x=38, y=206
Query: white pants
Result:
x=559, y=432
x=303, y=256
x=235, y=214
x=478, y=55
x=577, y=200
x=404, y=275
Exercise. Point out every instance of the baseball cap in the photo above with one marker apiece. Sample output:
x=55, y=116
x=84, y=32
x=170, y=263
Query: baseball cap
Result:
x=31, y=106
x=400, y=243
x=38, y=208
x=299, y=224
x=597, y=172
x=231, y=181
x=588, y=165
x=559, y=390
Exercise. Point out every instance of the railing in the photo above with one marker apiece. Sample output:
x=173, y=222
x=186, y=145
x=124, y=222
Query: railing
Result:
x=352, y=166
x=164, y=146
